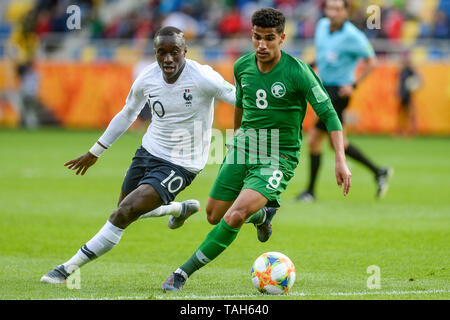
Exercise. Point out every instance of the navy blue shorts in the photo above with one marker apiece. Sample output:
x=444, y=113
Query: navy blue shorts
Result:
x=167, y=178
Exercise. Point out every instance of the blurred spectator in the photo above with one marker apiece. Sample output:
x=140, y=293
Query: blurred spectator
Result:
x=409, y=82
x=216, y=20
x=441, y=26
x=96, y=26
x=393, y=24
x=183, y=21
x=43, y=25
x=231, y=23
x=32, y=113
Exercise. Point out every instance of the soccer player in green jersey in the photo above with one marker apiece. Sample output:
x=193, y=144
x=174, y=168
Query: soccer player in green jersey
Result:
x=272, y=91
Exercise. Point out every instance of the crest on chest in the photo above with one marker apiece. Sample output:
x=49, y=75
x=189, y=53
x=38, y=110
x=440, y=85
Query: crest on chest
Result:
x=187, y=97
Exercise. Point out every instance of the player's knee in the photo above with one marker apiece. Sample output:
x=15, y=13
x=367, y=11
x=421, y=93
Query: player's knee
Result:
x=311, y=140
x=237, y=216
x=123, y=216
x=213, y=219
x=212, y=216
x=314, y=143
x=214, y=211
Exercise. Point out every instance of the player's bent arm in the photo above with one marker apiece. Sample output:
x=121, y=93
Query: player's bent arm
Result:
x=367, y=67
x=118, y=125
x=212, y=83
x=226, y=93
x=121, y=121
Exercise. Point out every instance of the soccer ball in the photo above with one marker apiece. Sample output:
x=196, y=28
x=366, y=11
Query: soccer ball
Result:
x=273, y=273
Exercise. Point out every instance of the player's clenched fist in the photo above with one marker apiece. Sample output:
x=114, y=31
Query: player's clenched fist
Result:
x=82, y=163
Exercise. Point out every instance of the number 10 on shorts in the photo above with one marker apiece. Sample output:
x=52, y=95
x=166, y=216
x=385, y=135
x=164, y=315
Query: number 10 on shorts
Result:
x=274, y=180
x=170, y=180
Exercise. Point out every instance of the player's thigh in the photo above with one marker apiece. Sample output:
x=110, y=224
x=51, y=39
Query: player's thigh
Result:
x=135, y=172
x=229, y=180
x=315, y=137
x=340, y=104
x=321, y=132
x=248, y=202
x=216, y=209
x=167, y=178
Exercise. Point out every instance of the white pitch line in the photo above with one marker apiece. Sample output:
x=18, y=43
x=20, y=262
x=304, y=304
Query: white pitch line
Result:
x=296, y=294
x=303, y=294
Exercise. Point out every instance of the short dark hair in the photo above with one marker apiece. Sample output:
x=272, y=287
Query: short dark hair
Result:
x=168, y=31
x=346, y=3
x=269, y=18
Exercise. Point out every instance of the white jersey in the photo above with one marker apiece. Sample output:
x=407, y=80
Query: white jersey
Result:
x=182, y=113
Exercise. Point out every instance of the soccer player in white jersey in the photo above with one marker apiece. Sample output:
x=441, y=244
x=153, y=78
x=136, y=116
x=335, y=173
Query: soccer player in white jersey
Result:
x=181, y=94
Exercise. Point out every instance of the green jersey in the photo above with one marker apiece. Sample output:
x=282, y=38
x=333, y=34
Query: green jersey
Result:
x=278, y=100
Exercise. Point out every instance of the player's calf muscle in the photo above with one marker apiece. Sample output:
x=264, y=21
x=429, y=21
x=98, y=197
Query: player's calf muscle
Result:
x=123, y=216
x=237, y=215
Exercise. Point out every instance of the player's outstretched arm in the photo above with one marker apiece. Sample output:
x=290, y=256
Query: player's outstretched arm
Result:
x=343, y=174
x=117, y=126
x=82, y=163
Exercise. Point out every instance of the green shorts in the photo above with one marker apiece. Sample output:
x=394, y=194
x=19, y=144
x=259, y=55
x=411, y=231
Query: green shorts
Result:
x=269, y=180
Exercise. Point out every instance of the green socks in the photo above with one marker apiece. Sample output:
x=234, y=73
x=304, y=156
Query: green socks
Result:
x=217, y=240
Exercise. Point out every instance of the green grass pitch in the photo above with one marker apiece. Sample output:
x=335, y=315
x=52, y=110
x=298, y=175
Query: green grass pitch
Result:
x=47, y=213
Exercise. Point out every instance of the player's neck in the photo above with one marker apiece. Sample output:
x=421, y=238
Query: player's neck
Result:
x=265, y=67
x=336, y=27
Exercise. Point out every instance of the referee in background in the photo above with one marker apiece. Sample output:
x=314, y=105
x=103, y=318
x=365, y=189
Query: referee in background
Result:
x=339, y=47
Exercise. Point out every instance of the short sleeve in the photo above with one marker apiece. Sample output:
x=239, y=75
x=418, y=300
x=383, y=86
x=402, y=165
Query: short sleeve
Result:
x=361, y=47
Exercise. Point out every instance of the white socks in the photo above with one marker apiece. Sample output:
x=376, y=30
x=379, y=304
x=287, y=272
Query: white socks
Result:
x=106, y=239
x=109, y=236
x=174, y=208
